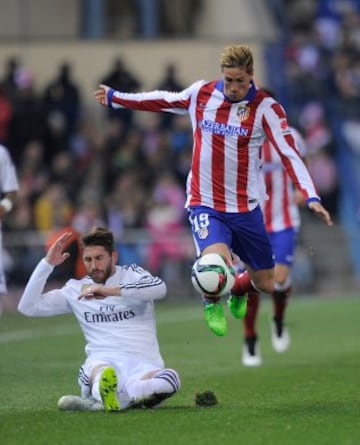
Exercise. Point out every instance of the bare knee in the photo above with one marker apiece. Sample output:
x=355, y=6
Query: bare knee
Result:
x=263, y=280
x=282, y=273
x=266, y=287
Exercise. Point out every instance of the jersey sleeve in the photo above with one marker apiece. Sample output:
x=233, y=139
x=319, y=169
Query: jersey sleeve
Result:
x=34, y=302
x=280, y=135
x=299, y=142
x=156, y=101
x=139, y=284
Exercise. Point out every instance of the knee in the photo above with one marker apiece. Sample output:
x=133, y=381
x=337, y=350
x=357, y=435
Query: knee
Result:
x=265, y=285
x=282, y=276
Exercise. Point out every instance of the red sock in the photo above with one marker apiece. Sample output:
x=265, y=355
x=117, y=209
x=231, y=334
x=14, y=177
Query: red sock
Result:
x=242, y=284
x=280, y=299
x=251, y=314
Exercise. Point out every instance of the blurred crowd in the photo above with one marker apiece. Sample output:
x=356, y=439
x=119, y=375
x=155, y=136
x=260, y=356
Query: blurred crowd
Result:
x=128, y=174
x=321, y=90
x=322, y=80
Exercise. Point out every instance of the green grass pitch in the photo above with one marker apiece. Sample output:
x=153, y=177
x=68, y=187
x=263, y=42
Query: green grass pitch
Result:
x=309, y=395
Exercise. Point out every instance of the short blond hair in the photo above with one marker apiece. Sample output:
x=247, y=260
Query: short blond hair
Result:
x=235, y=56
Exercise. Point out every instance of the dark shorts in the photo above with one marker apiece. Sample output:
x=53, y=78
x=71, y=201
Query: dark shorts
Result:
x=283, y=244
x=244, y=233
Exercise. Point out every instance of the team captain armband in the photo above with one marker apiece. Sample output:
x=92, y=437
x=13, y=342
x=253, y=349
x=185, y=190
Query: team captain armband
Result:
x=7, y=204
x=309, y=200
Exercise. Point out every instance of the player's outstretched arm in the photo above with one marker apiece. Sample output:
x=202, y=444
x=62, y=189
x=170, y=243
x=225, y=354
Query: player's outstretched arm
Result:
x=318, y=209
x=101, y=95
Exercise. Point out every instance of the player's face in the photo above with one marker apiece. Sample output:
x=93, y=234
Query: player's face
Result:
x=236, y=83
x=99, y=263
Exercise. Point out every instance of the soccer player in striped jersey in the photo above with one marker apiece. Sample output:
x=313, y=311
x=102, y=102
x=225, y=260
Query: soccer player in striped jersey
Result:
x=282, y=220
x=230, y=119
x=114, y=306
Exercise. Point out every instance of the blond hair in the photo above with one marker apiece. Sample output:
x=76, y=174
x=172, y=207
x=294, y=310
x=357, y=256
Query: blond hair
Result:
x=235, y=56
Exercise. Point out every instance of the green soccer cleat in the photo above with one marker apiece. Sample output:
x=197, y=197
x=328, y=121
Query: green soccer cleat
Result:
x=108, y=390
x=215, y=318
x=238, y=306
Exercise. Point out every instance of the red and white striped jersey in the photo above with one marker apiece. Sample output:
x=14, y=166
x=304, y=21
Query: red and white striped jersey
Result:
x=280, y=210
x=226, y=164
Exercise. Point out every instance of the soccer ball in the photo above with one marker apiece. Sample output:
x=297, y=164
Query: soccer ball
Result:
x=210, y=275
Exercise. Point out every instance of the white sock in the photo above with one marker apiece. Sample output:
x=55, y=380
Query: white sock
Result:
x=95, y=388
x=165, y=381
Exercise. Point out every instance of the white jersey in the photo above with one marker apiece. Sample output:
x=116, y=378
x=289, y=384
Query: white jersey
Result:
x=119, y=326
x=280, y=210
x=226, y=166
x=8, y=178
x=8, y=183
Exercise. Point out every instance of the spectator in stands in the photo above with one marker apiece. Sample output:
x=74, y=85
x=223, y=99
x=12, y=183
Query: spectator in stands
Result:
x=9, y=82
x=120, y=77
x=52, y=206
x=28, y=121
x=169, y=82
x=6, y=111
x=165, y=223
x=63, y=108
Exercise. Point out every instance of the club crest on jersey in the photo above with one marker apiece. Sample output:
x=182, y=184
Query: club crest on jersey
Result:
x=284, y=126
x=203, y=233
x=243, y=112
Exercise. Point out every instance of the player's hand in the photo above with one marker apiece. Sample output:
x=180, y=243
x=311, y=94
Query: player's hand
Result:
x=98, y=292
x=101, y=95
x=94, y=291
x=56, y=254
x=318, y=209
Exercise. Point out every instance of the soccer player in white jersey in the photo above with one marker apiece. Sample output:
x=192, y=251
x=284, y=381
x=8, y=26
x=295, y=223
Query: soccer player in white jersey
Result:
x=9, y=188
x=114, y=306
x=230, y=118
x=282, y=220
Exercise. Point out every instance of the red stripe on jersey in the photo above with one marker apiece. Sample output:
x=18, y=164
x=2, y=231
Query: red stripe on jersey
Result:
x=203, y=98
x=151, y=104
x=218, y=160
x=286, y=214
x=289, y=168
x=266, y=153
x=243, y=172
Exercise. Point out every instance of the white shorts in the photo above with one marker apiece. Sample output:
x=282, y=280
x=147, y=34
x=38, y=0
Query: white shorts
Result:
x=128, y=369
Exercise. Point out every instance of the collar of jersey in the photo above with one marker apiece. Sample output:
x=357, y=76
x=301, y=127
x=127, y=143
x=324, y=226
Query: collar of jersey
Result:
x=249, y=96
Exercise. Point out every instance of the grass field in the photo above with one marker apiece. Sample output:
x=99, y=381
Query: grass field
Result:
x=310, y=395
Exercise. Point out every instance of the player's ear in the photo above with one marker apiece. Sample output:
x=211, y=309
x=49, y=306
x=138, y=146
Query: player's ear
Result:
x=115, y=256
